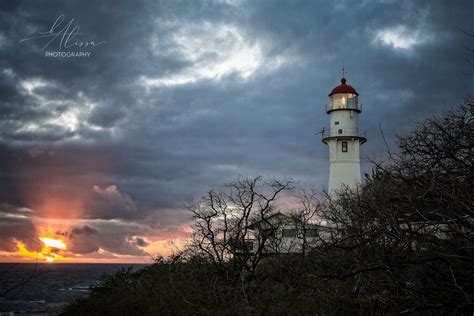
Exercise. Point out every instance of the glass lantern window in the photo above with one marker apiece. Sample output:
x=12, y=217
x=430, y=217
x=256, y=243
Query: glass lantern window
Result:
x=343, y=101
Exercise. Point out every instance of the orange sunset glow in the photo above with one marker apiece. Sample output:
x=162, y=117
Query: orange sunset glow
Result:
x=50, y=251
x=53, y=246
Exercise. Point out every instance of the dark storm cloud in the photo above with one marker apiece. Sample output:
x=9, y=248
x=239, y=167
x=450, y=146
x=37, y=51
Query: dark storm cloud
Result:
x=16, y=226
x=110, y=203
x=185, y=96
x=84, y=230
x=83, y=240
x=118, y=238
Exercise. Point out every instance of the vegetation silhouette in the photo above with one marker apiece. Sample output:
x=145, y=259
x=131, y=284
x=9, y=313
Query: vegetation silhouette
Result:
x=402, y=243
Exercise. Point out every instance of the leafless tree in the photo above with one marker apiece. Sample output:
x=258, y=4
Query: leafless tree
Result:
x=222, y=221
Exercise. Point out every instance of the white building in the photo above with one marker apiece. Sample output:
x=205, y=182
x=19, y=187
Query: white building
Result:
x=343, y=137
x=283, y=233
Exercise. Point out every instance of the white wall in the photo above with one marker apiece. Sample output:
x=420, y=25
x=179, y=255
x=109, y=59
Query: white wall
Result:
x=348, y=119
x=344, y=166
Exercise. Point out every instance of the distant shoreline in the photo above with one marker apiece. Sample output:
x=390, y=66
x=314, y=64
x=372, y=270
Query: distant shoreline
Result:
x=56, y=263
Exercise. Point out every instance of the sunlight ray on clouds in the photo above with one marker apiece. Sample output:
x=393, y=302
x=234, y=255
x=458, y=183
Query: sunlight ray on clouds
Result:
x=400, y=37
x=214, y=51
x=68, y=119
x=30, y=85
x=65, y=116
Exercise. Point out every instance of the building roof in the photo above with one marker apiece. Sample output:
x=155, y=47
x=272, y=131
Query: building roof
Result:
x=280, y=215
x=281, y=218
x=343, y=88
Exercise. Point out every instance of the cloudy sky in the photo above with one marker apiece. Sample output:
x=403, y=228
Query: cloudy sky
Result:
x=177, y=97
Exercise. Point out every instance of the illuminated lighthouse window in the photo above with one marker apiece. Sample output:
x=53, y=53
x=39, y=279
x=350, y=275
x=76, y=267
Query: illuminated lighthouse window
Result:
x=343, y=101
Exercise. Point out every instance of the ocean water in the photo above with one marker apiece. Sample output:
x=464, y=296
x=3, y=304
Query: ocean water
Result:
x=43, y=289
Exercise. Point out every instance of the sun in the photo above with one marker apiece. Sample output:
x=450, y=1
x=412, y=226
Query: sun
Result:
x=53, y=243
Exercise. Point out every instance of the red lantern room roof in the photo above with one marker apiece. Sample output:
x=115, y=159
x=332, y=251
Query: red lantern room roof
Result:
x=343, y=88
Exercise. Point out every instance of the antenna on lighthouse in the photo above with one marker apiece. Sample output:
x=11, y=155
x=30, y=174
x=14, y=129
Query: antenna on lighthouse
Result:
x=343, y=72
x=321, y=131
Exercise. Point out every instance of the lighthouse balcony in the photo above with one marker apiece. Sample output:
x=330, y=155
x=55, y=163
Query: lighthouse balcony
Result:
x=344, y=104
x=344, y=133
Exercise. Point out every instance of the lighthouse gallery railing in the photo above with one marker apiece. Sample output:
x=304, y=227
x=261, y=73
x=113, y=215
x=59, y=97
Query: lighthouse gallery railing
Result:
x=344, y=132
x=346, y=104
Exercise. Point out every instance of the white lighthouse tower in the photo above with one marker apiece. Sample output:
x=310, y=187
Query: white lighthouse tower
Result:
x=343, y=137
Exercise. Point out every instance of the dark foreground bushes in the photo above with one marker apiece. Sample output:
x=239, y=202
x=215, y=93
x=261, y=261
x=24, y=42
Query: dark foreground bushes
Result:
x=400, y=244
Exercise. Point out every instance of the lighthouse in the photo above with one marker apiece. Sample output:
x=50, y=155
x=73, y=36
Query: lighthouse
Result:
x=343, y=137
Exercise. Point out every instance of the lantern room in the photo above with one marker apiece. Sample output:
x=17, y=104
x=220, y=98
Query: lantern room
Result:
x=343, y=97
